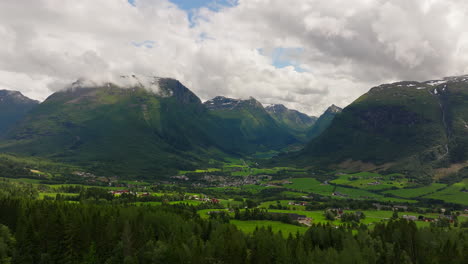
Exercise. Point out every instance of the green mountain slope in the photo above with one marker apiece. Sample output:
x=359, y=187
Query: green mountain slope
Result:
x=126, y=132
x=13, y=107
x=296, y=122
x=260, y=130
x=414, y=126
x=323, y=122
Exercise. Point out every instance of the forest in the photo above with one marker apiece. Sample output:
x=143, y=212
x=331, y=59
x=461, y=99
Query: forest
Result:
x=54, y=231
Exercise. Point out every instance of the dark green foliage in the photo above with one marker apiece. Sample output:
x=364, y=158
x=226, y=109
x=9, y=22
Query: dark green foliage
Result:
x=263, y=214
x=352, y=217
x=330, y=215
x=11, y=169
x=7, y=245
x=58, y=232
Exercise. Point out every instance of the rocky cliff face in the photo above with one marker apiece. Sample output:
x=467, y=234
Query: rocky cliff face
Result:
x=225, y=103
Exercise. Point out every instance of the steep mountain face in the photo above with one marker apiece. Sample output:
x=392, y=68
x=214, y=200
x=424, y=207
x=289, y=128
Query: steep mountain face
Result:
x=293, y=120
x=323, y=122
x=13, y=107
x=414, y=126
x=258, y=127
x=150, y=129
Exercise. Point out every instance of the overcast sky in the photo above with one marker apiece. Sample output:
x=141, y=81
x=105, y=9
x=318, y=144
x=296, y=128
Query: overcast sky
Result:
x=306, y=54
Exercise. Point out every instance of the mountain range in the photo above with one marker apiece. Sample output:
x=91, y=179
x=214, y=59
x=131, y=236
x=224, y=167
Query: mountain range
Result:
x=294, y=121
x=411, y=127
x=157, y=126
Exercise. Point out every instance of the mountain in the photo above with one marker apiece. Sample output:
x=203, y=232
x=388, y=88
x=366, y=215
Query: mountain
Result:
x=153, y=128
x=410, y=127
x=323, y=122
x=13, y=107
x=257, y=126
x=293, y=120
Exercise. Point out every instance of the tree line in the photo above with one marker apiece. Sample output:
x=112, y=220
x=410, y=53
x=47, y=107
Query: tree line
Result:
x=42, y=231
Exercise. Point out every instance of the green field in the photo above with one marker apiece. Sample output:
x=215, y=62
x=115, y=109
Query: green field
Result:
x=314, y=186
x=200, y=171
x=204, y=213
x=282, y=203
x=148, y=203
x=230, y=202
x=310, y=185
x=357, y=193
x=416, y=192
x=452, y=194
x=286, y=229
x=289, y=194
x=189, y=202
x=366, y=180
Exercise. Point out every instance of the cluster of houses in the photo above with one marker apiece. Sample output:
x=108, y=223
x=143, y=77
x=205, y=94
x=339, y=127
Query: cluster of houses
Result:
x=203, y=198
x=91, y=178
x=451, y=218
x=180, y=177
x=209, y=180
x=297, y=203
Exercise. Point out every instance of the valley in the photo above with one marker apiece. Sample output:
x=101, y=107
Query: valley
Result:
x=233, y=132
x=230, y=163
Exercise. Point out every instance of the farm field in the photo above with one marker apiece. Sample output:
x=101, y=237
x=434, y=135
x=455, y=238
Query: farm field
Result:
x=189, y=202
x=310, y=185
x=416, y=192
x=371, y=217
x=282, y=203
x=285, y=229
x=455, y=193
x=314, y=186
x=371, y=181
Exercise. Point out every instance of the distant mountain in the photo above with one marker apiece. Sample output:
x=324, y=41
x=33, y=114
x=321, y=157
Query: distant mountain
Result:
x=143, y=126
x=323, y=122
x=412, y=127
x=257, y=126
x=153, y=128
x=13, y=107
x=293, y=120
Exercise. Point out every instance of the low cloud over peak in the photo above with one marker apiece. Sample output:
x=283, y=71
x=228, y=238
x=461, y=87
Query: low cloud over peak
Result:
x=306, y=56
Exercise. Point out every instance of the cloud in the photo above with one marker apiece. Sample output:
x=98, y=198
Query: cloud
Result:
x=307, y=55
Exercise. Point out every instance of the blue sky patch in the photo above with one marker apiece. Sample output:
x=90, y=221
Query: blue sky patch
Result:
x=147, y=44
x=188, y=5
x=191, y=5
x=283, y=57
x=214, y=5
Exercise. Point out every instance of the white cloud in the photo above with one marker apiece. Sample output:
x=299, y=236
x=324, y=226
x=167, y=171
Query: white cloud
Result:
x=346, y=46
